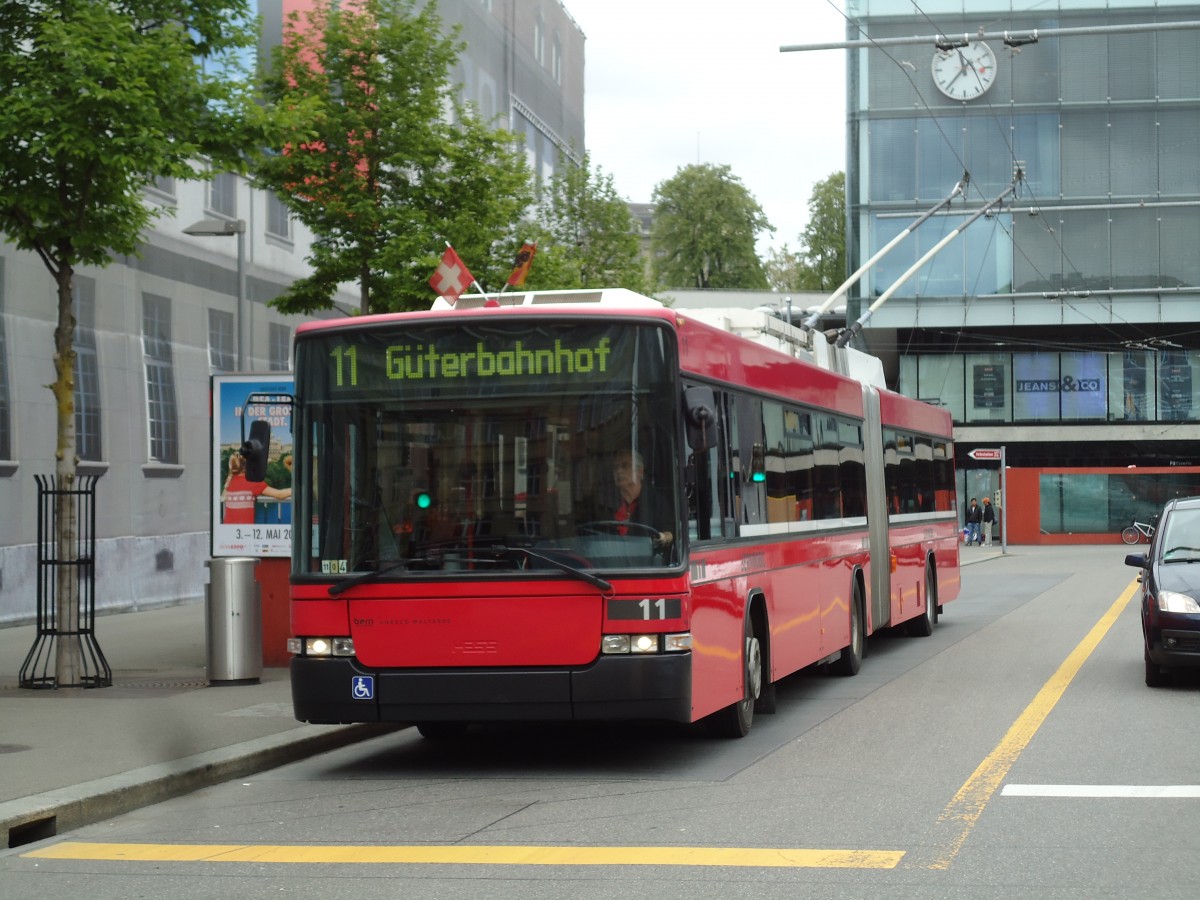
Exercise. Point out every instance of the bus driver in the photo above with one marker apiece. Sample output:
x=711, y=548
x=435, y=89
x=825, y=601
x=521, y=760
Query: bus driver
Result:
x=628, y=475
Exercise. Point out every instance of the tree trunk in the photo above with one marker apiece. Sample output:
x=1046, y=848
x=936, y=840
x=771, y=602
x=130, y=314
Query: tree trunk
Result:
x=66, y=576
x=364, y=293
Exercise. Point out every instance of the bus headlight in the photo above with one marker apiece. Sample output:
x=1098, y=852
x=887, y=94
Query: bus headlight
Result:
x=612, y=644
x=321, y=646
x=677, y=643
x=644, y=643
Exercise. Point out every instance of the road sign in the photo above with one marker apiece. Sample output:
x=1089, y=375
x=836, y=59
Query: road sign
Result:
x=984, y=453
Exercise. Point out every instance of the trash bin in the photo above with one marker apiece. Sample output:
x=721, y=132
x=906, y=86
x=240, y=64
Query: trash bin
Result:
x=233, y=621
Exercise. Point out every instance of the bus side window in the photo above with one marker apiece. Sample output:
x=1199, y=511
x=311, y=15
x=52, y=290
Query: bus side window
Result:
x=744, y=434
x=827, y=481
x=709, y=477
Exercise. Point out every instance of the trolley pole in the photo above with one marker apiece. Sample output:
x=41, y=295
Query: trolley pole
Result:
x=1003, y=501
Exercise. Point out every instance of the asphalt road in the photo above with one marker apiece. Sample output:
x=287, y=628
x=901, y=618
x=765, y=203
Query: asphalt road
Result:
x=1015, y=753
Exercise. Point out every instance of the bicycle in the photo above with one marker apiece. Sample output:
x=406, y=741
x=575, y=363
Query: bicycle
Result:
x=1132, y=534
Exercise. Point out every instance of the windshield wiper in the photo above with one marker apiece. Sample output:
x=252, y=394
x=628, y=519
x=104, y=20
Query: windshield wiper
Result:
x=366, y=577
x=1182, y=558
x=581, y=574
x=375, y=574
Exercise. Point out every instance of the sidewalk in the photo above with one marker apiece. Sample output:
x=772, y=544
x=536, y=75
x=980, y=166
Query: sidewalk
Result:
x=77, y=755
x=970, y=555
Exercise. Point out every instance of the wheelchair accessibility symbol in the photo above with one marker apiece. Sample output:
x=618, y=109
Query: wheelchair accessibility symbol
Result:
x=362, y=687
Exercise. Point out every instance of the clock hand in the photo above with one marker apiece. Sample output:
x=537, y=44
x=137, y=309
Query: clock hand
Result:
x=957, y=75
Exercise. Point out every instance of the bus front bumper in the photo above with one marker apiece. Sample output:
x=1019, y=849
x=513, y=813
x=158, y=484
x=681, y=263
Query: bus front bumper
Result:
x=337, y=690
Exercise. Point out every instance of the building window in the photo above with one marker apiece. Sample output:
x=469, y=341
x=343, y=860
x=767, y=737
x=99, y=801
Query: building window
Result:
x=973, y=264
x=556, y=60
x=279, y=219
x=222, y=348
x=87, y=372
x=1047, y=388
x=222, y=194
x=281, y=347
x=164, y=187
x=162, y=414
x=539, y=31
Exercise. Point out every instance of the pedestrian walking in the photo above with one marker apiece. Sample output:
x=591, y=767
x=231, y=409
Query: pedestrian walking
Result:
x=974, y=520
x=989, y=519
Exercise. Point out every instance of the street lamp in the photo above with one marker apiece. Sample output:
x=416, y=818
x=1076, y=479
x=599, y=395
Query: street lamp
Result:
x=225, y=228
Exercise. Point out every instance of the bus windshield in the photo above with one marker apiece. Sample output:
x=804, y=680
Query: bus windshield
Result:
x=476, y=448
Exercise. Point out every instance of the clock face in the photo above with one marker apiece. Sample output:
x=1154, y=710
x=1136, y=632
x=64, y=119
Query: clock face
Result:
x=964, y=73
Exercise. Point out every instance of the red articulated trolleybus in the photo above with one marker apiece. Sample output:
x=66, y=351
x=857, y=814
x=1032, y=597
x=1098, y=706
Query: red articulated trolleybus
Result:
x=467, y=555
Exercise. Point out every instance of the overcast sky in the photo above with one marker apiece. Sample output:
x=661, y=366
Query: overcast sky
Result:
x=671, y=83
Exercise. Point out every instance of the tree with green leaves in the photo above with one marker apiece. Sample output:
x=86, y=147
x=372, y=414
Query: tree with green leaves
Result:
x=586, y=234
x=387, y=179
x=783, y=269
x=705, y=226
x=99, y=100
x=823, y=242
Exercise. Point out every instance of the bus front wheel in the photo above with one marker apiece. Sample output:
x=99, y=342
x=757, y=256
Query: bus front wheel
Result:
x=734, y=721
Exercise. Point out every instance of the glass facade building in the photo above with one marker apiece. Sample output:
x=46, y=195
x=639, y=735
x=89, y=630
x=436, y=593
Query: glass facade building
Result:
x=1063, y=323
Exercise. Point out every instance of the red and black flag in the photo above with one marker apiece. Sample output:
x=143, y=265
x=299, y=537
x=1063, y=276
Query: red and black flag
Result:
x=524, y=261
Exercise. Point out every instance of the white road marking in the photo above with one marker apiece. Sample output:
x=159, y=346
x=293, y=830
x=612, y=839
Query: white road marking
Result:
x=1151, y=791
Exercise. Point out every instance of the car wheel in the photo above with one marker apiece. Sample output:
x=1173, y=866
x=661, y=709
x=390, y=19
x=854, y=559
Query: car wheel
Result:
x=1155, y=676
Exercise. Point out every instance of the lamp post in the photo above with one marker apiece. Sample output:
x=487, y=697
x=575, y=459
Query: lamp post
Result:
x=225, y=228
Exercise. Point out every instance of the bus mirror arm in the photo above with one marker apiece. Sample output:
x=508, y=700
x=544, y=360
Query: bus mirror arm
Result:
x=701, y=406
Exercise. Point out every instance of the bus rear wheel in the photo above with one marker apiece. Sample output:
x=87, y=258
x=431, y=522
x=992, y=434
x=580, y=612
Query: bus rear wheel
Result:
x=734, y=721
x=923, y=626
x=851, y=658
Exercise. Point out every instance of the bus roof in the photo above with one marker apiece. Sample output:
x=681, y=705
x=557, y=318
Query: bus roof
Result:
x=759, y=327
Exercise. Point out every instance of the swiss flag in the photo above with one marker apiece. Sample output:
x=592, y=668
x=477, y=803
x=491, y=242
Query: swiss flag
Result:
x=452, y=276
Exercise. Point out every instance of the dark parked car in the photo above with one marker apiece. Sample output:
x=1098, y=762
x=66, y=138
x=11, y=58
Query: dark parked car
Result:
x=1171, y=591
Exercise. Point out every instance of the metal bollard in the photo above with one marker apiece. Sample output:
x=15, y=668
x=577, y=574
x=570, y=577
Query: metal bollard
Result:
x=233, y=621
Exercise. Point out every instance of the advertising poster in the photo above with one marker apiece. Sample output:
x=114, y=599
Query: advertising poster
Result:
x=1133, y=382
x=989, y=386
x=1037, y=386
x=251, y=518
x=1084, y=385
x=1175, y=386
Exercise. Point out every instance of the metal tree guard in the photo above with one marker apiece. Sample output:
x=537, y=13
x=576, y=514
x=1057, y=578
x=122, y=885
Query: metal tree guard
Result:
x=38, y=670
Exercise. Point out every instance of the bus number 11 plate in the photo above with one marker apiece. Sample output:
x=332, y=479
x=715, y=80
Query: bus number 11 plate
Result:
x=645, y=610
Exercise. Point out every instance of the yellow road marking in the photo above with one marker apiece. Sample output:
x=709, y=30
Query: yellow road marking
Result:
x=968, y=804
x=476, y=855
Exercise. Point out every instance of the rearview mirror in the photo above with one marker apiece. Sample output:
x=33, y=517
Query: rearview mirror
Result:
x=700, y=405
x=1137, y=560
